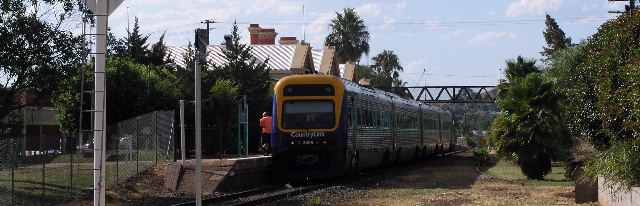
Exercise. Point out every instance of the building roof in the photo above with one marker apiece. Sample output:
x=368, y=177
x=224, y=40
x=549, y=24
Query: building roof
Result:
x=279, y=56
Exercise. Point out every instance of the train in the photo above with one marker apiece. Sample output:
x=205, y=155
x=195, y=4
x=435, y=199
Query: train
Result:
x=325, y=127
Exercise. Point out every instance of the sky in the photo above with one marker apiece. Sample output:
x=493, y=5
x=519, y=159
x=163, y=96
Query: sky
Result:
x=458, y=43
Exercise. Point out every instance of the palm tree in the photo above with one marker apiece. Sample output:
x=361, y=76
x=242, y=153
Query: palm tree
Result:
x=520, y=68
x=530, y=127
x=516, y=70
x=386, y=68
x=349, y=35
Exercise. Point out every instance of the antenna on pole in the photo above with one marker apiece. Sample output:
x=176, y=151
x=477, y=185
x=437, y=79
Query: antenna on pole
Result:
x=304, y=25
x=627, y=8
x=209, y=21
x=424, y=74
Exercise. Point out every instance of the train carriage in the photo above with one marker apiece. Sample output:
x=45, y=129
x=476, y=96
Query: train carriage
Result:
x=325, y=127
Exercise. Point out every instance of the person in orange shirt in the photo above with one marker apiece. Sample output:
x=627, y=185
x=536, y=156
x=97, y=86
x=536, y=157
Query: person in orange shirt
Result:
x=265, y=139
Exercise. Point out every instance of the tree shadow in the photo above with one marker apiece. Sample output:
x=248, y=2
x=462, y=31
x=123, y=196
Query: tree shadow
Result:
x=450, y=172
x=38, y=185
x=27, y=196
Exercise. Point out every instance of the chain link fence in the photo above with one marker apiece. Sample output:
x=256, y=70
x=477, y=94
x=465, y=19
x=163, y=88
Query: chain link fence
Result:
x=7, y=161
x=34, y=170
x=139, y=143
x=43, y=170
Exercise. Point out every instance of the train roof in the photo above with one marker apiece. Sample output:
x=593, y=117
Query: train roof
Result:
x=369, y=91
x=388, y=96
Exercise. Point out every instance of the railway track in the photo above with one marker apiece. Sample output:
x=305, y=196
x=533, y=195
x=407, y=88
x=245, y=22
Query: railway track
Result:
x=274, y=193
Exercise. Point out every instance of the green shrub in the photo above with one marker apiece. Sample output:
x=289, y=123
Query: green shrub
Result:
x=603, y=92
x=481, y=156
x=470, y=142
x=620, y=163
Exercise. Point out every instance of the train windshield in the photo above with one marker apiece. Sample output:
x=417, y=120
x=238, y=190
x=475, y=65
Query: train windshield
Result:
x=308, y=114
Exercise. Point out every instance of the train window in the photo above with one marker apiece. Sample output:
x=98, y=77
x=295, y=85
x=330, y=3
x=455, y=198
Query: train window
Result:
x=360, y=116
x=348, y=117
x=373, y=118
x=308, y=114
x=309, y=90
x=369, y=118
x=365, y=118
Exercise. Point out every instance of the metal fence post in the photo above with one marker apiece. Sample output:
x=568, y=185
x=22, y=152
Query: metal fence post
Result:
x=118, y=155
x=182, y=132
x=137, y=143
x=246, y=126
x=156, y=133
x=13, y=165
x=71, y=151
x=43, y=169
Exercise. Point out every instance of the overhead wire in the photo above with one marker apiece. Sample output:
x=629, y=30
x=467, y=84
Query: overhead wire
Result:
x=427, y=24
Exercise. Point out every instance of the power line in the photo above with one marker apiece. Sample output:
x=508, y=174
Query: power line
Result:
x=435, y=23
x=415, y=23
x=174, y=28
x=449, y=75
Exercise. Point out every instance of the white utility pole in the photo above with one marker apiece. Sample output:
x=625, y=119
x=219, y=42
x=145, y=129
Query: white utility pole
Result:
x=101, y=10
x=202, y=40
x=198, y=136
x=99, y=123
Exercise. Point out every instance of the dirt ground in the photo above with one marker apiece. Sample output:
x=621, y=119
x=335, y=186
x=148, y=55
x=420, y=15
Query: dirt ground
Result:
x=146, y=188
x=446, y=181
x=451, y=180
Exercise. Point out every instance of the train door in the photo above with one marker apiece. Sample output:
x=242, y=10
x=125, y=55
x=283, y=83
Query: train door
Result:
x=354, y=124
x=394, y=126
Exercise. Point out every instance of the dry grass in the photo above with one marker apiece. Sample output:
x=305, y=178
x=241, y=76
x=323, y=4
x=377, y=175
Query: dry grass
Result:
x=449, y=181
x=144, y=188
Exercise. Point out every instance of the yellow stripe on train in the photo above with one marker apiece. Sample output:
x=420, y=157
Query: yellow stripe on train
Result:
x=309, y=79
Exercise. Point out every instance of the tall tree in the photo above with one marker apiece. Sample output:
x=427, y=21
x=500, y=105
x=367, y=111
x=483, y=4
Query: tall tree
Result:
x=115, y=47
x=158, y=53
x=386, y=67
x=530, y=127
x=35, y=53
x=349, y=35
x=555, y=38
x=134, y=46
x=251, y=76
x=364, y=71
x=222, y=97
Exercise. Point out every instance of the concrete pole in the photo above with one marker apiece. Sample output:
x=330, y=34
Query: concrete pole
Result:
x=198, y=122
x=182, y=137
x=100, y=99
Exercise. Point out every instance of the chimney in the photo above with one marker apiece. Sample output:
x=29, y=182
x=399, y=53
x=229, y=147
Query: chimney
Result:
x=288, y=40
x=260, y=36
x=254, y=30
x=268, y=36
